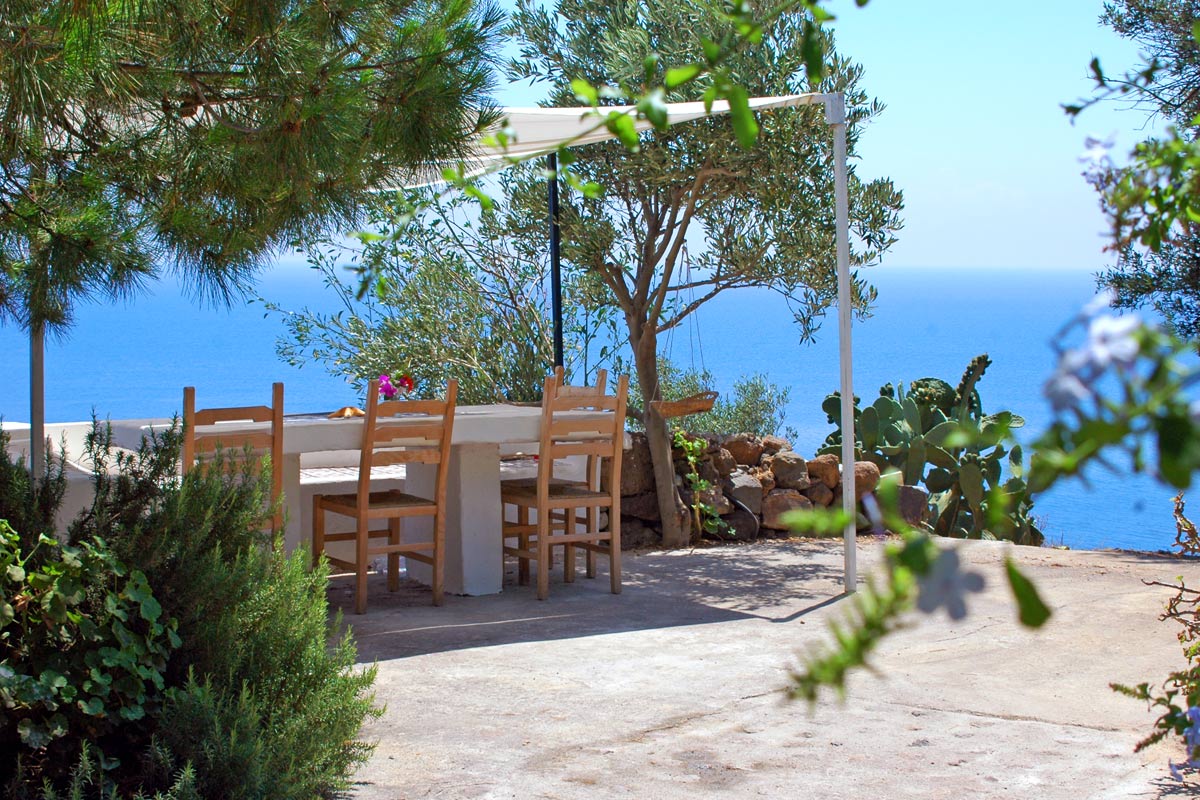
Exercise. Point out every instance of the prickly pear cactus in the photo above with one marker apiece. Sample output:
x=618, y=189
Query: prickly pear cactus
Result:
x=937, y=435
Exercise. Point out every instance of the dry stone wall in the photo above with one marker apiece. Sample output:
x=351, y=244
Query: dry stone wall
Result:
x=755, y=482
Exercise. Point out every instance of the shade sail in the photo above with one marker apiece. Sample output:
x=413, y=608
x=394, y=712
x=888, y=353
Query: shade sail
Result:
x=538, y=131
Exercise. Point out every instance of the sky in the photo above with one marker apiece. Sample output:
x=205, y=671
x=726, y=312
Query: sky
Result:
x=974, y=132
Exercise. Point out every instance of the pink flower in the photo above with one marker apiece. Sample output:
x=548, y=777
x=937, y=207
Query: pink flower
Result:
x=386, y=390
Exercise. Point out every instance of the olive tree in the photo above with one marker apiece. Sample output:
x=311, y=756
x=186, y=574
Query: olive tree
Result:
x=692, y=214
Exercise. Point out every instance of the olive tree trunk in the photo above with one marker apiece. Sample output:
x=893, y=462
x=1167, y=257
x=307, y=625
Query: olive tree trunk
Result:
x=674, y=518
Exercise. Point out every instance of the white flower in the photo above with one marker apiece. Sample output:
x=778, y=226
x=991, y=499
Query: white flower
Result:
x=1096, y=150
x=947, y=585
x=1191, y=736
x=1111, y=340
x=1098, y=303
x=1065, y=390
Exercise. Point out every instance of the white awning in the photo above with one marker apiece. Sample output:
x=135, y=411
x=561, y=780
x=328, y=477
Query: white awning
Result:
x=538, y=131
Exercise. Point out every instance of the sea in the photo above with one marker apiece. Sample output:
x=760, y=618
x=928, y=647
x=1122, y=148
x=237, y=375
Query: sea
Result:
x=131, y=360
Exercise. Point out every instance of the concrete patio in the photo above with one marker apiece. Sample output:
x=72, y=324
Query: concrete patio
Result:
x=673, y=688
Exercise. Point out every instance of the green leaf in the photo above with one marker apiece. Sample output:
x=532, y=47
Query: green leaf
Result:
x=621, y=126
x=1178, y=447
x=744, y=124
x=585, y=92
x=1032, y=612
x=151, y=610
x=16, y=574
x=677, y=76
x=654, y=107
x=712, y=51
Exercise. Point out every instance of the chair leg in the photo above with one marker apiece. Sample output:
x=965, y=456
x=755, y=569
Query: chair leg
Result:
x=439, y=548
x=614, y=549
x=593, y=527
x=569, y=526
x=543, y=555
x=361, y=563
x=318, y=531
x=394, y=558
x=523, y=544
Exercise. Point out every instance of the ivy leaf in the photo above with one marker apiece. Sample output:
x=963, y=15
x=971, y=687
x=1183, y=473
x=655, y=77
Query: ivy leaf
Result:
x=1032, y=612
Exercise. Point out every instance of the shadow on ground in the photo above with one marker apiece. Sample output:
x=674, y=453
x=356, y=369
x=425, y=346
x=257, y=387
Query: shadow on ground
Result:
x=777, y=584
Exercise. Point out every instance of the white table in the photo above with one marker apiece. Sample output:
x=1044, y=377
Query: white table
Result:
x=473, y=559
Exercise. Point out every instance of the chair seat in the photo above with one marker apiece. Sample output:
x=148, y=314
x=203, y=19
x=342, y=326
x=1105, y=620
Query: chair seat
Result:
x=531, y=483
x=376, y=501
x=526, y=492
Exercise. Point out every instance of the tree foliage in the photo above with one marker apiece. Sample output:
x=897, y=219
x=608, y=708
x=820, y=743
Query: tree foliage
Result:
x=455, y=295
x=200, y=136
x=1151, y=203
x=692, y=212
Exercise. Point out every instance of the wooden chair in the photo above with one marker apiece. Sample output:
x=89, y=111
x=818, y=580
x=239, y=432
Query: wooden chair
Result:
x=559, y=518
x=566, y=431
x=237, y=449
x=423, y=437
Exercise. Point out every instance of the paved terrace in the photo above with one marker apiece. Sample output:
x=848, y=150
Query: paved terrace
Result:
x=673, y=689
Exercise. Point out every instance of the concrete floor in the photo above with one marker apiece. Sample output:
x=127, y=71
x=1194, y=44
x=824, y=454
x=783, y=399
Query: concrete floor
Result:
x=673, y=689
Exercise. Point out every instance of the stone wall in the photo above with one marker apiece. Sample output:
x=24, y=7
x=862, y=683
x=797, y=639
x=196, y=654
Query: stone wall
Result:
x=755, y=482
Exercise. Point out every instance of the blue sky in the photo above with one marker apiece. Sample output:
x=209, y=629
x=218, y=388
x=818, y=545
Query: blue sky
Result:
x=974, y=132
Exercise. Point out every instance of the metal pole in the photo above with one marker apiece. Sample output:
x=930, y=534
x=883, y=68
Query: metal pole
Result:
x=555, y=269
x=835, y=116
x=37, y=401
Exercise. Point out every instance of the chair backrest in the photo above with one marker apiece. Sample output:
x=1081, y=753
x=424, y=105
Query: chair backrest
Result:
x=406, y=432
x=580, y=391
x=238, y=449
x=588, y=424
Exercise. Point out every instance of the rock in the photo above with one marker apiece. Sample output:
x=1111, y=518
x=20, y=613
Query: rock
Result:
x=746, y=489
x=766, y=478
x=712, y=496
x=743, y=526
x=778, y=503
x=826, y=469
x=642, y=506
x=637, y=471
x=914, y=502
x=790, y=470
x=866, y=478
x=724, y=462
x=820, y=494
x=635, y=534
x=775, y=444
x=744, y=447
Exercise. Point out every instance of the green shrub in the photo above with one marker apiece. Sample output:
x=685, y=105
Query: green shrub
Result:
x=756, y=406
x=277, y=712
x=30, y=509
x=256, y=703
x=83, y=646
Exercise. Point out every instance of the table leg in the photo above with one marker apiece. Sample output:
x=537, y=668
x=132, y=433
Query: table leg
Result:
x=473, y=563
x=297, y=524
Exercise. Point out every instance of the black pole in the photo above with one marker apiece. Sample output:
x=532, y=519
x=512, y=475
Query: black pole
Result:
x=555, y=272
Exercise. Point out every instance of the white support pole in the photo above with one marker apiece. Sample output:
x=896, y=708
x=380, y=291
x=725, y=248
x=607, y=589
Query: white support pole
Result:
x=37, y=402
x=835, y=117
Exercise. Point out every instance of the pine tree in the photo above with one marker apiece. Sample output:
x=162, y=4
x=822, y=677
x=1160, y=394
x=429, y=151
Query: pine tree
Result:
x=198, y=137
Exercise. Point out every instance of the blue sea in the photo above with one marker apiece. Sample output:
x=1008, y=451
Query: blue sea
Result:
x=132, y=360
